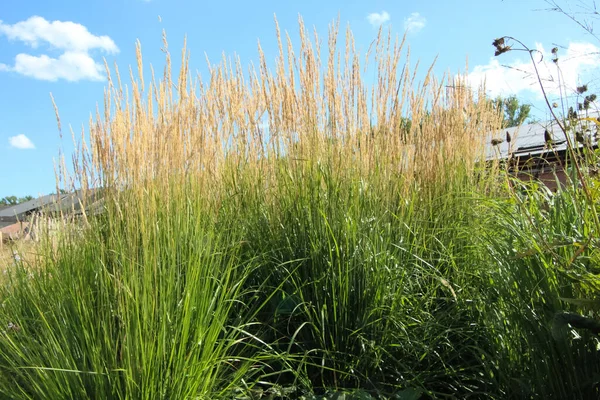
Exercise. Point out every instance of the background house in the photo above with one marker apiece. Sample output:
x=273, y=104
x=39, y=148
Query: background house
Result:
x=540, y=150
x=19, y=220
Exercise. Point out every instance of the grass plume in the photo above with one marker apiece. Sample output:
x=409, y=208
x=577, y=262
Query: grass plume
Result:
x=356, y=241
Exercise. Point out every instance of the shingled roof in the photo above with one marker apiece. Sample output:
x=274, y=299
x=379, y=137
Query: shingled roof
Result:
x=53, y=203
x=529, y=141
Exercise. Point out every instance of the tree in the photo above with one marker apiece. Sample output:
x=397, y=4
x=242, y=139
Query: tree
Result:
x=14, y=200
x=9, y=201
x=515, y=113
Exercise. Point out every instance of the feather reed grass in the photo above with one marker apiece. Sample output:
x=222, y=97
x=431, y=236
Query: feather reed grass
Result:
x=354, y=241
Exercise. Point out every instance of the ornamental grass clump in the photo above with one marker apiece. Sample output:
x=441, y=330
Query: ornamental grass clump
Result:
x=319, y=224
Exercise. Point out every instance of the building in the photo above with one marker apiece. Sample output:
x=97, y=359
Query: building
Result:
x=18, y=220
x=540, y=150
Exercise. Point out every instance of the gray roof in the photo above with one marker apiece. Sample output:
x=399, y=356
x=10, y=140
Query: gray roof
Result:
x=51, y=203
x=529, y=140
x=28, y=206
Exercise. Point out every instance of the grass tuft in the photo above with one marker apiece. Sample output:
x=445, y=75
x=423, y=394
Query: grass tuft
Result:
x=353, y=246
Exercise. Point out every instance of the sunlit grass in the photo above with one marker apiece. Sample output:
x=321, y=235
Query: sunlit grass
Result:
x=342, y=249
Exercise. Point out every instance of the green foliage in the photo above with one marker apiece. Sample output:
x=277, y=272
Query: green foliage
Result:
x=313, y=278
x=14, y=200
x=332, y=291
x=514, y=112
x=116, y=314
x=542, y=250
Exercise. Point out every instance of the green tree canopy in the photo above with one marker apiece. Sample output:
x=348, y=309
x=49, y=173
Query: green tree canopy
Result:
x=515, y=112
x=14, y=200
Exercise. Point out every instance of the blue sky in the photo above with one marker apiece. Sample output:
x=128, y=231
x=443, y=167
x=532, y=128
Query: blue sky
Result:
x=57, y=47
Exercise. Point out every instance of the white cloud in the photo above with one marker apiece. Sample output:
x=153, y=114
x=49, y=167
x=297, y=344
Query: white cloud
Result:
x=519, y=75
x=21, y=142
x=377, y=19
x=73, y=40
x=71, y=66
x=414, y=23
x=64, y=35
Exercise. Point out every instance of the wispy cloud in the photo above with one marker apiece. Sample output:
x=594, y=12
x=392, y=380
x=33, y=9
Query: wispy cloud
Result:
x=21, y=142
x=377, y=19
x=414, y=23
x=518, y=76
x=73, y=40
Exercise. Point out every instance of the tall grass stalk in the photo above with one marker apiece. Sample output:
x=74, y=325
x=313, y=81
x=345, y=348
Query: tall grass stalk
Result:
x=357, y=242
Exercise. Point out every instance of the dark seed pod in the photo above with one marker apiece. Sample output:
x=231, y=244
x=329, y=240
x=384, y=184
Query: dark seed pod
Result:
x=498, y=42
